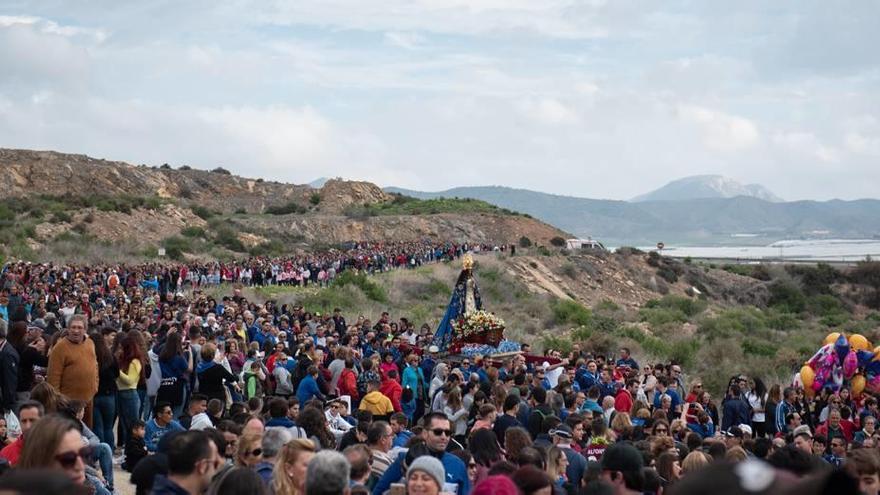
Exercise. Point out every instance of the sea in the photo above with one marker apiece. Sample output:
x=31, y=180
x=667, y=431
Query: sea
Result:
x=824, y=250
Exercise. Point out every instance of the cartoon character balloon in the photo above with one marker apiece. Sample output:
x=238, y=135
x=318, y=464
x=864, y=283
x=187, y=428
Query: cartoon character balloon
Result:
x=850, y=364
x=841, y=348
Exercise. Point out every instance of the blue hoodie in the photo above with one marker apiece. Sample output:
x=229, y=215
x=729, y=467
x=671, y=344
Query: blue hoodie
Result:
x=456, y=472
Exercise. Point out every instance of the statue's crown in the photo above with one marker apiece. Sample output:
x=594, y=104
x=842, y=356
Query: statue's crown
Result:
x=467, y=262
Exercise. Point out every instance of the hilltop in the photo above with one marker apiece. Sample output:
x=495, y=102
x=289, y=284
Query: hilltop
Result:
x=706, y=187
x=75, y=207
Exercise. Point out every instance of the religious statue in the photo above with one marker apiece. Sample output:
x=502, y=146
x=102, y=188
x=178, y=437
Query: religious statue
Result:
x=465, y=302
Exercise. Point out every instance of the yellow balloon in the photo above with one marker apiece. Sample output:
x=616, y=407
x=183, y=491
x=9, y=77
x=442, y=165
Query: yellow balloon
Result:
x=859, y=342
x=858, y=384
x=831, y=338
x=876, y=353
x=807, y=376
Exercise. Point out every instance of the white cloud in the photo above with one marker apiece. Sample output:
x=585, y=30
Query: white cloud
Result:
x=721, y=131
x=859, y=143
x=549, y=111
x=806, y=143
x=408, y=41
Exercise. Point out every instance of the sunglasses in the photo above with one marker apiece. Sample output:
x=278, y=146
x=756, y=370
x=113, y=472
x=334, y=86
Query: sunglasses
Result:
x=440, y=431
x=68, y=459
x=255, y=452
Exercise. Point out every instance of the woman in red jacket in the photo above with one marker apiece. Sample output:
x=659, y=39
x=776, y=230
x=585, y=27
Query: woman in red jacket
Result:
x=348, y=383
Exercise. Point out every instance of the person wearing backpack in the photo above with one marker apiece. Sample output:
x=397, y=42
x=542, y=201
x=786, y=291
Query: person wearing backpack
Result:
x=540, y=410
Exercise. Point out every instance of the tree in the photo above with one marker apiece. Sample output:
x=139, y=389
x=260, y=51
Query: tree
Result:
x=557, y=241
x=525, y=242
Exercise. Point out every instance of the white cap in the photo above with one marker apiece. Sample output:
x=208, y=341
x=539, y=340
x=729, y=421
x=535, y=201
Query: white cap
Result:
x=746, y=429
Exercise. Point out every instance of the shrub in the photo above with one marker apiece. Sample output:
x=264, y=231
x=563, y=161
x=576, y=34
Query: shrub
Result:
x=732, y=322
x=61, y=217
x=758, y=348
x=193, y=232
x=543, y=251
x=269, y=248
x=668, y=274
x=240, y=211
x=175, y=247
x=786, y=297
x=657, y=317
x=372, y=290
x=286, y=209
x=202, y=212
x=525, y=242
x=569, y=270
x=815, y=279
x=221, y=170
x=561, y=344
x=228, y=238
x=165, y=166
x=688, y=306
x=315, y=198
x=557, y=241
x=568, y=312
x=184, y=167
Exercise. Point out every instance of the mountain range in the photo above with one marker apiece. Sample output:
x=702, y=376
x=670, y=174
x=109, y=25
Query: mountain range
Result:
x=685, y=220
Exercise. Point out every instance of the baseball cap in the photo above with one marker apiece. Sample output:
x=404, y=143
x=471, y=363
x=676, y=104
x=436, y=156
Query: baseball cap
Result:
x=622, y=457
x=746, y=429
x=563, y=431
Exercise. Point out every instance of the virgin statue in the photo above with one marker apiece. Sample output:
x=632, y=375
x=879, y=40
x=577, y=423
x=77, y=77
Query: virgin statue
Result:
x=465, y=299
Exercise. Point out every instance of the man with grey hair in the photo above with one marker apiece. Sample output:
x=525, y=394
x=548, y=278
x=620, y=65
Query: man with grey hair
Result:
x=8, y=370
x=328, y=474
x=274, y=439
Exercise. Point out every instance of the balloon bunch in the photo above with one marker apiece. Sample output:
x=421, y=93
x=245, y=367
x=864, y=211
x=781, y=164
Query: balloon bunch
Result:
x=841, y=363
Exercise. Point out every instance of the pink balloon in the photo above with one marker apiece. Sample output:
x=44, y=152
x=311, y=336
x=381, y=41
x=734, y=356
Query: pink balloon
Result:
x=850, y=364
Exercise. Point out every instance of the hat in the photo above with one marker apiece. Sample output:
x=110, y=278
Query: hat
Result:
x=429, y=465
x=802, y=429
x=433, y=349
x=622, y=457
x=746, y=429
x=735, y=431
x=563, y=431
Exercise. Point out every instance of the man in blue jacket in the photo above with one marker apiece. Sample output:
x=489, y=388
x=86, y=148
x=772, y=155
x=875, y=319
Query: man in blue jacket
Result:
x=438, y=432
x=735, y=409
x=308, y=388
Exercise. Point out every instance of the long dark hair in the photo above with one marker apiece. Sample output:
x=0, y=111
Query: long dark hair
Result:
x=102, y=351
x=173, y=347
x=760, y=390
x=483, y=445
x=313, y=421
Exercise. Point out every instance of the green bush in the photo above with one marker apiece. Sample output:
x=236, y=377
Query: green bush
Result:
x=732, y=322
x=285, y=209
x=834, y=319
x=240, y=211
x=557, y=241
x=543, y=251
x=176, y=246
x=228, y=238
x=657, y=317
x=668, y=274
x=61, y=217
x=783, y=321
x=758, y=348
x=202, y=212
x=688, y=306
x=568, y=312
x=372, y=290
x=193, y=232
x=825, y=305
x=560, y=344
x=272, y=247
x=525, y=242
x=569, y=270
x=221, y=170
x=786, y=297
x=315, y=198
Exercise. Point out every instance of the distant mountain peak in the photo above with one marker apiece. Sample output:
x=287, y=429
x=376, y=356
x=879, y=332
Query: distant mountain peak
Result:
x=707, y=186
x=318, y=183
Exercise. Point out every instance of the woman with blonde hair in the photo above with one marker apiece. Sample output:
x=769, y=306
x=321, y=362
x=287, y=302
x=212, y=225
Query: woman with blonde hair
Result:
x=622, y=426
x=289, y=476
x=557, y=464
x=250, y=451
x=736, y=454
x=695, y=461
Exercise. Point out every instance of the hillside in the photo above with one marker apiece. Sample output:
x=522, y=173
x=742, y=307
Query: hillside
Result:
x=764, y=319
x=683, y=222
x=73, y=207
x=707, y=187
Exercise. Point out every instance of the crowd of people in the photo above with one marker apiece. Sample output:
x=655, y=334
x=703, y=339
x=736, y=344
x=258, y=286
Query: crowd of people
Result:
x=136, y=367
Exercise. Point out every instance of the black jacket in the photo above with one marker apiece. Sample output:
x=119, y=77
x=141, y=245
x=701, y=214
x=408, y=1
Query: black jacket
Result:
x=8, y=376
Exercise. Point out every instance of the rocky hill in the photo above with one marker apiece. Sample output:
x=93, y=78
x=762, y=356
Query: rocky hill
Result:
x=52, y=200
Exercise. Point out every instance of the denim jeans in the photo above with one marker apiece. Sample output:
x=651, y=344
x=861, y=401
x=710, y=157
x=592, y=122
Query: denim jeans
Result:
x=104, y=416
x=129, y=409
x=104, y=454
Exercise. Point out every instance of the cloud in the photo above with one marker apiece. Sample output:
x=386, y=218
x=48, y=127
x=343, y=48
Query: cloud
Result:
x=806, y=143
x=721, y=131
x=549, y=111
x=408, y=41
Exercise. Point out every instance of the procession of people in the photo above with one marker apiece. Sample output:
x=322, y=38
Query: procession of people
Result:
x=137, y=367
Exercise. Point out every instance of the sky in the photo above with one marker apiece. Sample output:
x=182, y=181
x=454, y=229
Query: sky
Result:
x=592, y=98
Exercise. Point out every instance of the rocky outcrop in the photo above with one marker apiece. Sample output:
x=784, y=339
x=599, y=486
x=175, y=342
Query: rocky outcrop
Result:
x=52, y=173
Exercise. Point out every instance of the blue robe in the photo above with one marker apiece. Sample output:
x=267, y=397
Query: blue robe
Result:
x=445, y=333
